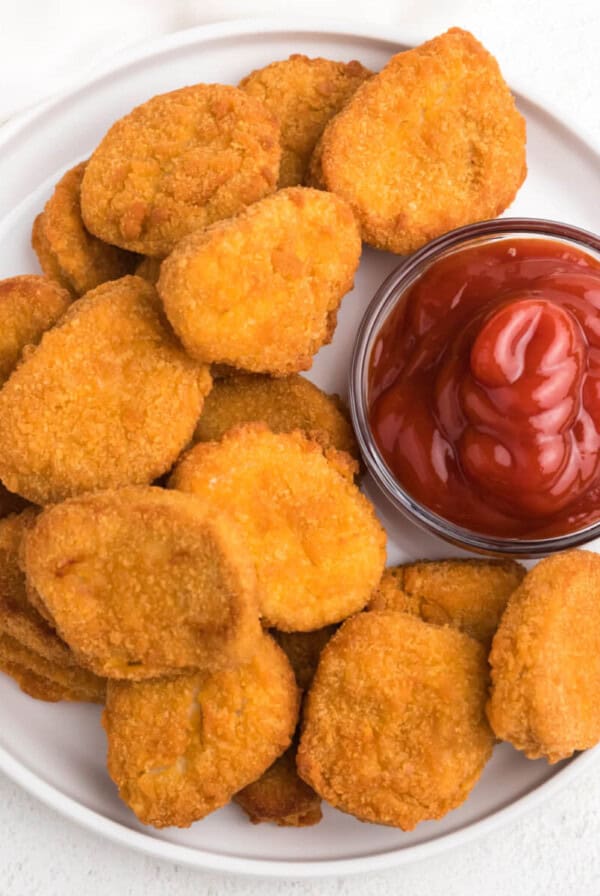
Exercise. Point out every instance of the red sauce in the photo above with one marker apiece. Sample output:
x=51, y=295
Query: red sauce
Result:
x=485, y=389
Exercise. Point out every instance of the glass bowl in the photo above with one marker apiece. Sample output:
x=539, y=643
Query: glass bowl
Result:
x=386, y=300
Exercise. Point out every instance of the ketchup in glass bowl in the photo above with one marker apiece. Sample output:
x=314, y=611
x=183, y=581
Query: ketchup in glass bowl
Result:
x=475, y=387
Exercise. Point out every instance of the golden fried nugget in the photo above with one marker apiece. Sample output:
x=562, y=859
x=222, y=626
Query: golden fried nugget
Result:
x=149, y=269
x=283, y=404
x=281, y=796
x=470, y=595
x=432, y=142
x=260, y=292
x=108, y=398
x=303, y=94
x=545, y=660
x=77, y=682
x=394, y=728
x=35, y=685
x=317, y=545
x=29, y=305
x=143, y=582
x=303, y=650
x=65, y=249
x=179, y=749
x=177, y=163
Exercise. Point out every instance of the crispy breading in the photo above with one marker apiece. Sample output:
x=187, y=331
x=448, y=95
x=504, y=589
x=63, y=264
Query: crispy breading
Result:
x=149, y=269
x=261, y=291
x=87, y=409
x=29, y=305
x=545, y=660
x=470, y=595
x=394, y=728
x=177, y=163
x=179, y=749
x=303, y=650
x=36, y=686
x=143, y=582
x=303, y=94
x=432, y=142
x=66, y=251
x=280, y=796
x=283, y=404
x=76, y=682
x=318, y=548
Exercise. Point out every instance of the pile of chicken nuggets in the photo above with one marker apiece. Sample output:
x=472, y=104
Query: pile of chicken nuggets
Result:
x=182, y=535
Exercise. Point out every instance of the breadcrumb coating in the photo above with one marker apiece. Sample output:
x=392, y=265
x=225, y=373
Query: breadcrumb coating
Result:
x=179, y=749
x=177, y=163
x=77, y=683
x=261, y=292
x=318, y=548
x=394, y=728
x=545, y=660
x=280, y=796
x=303, y=650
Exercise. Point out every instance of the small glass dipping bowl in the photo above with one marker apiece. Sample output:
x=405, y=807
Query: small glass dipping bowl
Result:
x=387, y=299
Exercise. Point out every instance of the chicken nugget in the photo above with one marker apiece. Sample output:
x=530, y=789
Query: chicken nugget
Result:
x=317, y=546
x=179, y=749
x=66, y=251
x=283, y=404
x=470, y=595
x=76, y=682
x=260, y=292
x=545, y=660
x=281, y=796
x=303, y=650
x=35, y=685
x=149, y=269
x=394, y=727
x=177, y=163
x=142, y=582
x=432, y=142
x=86, y=409
x=303, y=94
x=29, y=305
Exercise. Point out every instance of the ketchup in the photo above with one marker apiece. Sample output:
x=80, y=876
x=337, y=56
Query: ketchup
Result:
x=484, y=389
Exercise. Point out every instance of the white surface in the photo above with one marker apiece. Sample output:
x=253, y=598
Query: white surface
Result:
x=544, y=863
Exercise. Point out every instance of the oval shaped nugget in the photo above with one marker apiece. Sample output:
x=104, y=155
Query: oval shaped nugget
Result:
x=545, y=660
x=283, y=404
x=29, y=305
x=394, y=729
x=177, y=163
x=260, y=292
x=142, y=582
x=317, y=546
x=108, y=398
x=180, y=749
x=303, y=94
x=432, y=142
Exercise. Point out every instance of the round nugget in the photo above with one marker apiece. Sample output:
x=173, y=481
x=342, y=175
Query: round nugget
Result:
x=260, y=292
x=108, y=398
x=432, y=142
x=65, y=249
x=142, y=582
x=470, y=595
x=303, y=94
x=283, y=404
x=180, y=749
x=177, y=163
x=545, y=660
x=280, y=796
x=316, y=543
x=29, y=305
x=394, y=728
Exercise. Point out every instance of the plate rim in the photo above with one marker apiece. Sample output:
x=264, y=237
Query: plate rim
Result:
x=189, y=856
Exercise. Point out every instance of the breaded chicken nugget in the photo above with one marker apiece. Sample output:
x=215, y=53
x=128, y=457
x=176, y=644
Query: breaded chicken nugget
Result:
x=317, y=545
x=179, y=749
x=303, y=650
x=177, y=163
x=149, y=269
x=143, y=582
x=470, y=595
x=261, y=291
x=394, y=728
x=76, y=683
x=66, y=251
x=432, y=142
x=35, y=685
x=281, y=796
x=29, y=305
x=545, y=660
x=108, y=398
x=303, y=94
x=283, y=404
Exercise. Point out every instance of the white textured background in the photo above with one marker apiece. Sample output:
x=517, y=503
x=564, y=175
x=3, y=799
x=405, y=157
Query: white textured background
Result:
x=551, y=48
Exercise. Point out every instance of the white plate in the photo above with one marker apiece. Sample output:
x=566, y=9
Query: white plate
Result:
x=57, y=751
